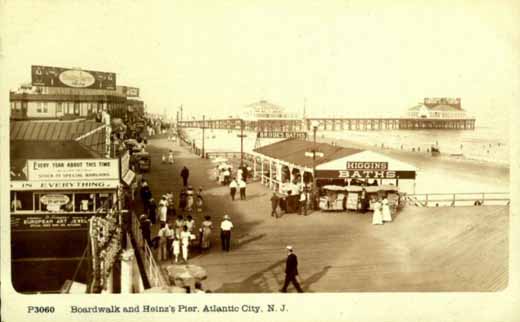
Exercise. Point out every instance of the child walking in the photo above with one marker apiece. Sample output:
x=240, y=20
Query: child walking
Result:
x=176, y=248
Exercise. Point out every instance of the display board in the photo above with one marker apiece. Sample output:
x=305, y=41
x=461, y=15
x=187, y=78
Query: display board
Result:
x=352, y=201
x=69, y=77
x=49, y=221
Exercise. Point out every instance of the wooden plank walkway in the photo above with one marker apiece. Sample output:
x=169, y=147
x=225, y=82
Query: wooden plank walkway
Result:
x=423, y=249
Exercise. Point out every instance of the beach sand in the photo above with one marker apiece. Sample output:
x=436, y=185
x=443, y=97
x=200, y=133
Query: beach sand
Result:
x=435, y=174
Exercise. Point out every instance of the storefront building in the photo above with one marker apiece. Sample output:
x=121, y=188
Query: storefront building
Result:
x=59, y=180
x=290, y=162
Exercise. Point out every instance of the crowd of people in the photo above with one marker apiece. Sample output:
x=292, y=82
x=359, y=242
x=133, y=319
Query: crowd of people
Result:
x=175, y=223
x=176, y=237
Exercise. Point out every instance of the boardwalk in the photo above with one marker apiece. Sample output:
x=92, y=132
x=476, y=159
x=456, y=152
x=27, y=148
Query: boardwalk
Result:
x=434, y=249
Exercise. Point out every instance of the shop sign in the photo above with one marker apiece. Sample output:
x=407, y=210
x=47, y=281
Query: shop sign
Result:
x=129, y=177
x=49, y=76
x=64, y=185
x=130, y=91
x=367, y=165
x=281, y=135
x=54, y=201
x=365, y=174
x=73, y=169
x=125, y=164
x=48, y=221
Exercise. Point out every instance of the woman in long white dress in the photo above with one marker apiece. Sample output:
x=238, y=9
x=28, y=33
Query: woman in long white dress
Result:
x=387, y=214
x=185, y=243
x=377, y=217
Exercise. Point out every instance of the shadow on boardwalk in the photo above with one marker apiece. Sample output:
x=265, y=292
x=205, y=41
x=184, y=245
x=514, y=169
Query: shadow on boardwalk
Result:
x=259, y=282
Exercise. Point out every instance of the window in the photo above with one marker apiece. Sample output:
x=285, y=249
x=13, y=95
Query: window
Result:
x=76, y=108
x=59, y=108
x=45, y=110
x=39, y=107
x=54, y=202
x=21, y=201
x=84, y=202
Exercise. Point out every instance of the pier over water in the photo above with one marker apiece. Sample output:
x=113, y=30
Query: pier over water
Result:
x=333, y=124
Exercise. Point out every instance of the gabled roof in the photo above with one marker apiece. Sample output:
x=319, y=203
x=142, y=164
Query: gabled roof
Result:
x=265, y=105
x=50, y=130
x=293, y=151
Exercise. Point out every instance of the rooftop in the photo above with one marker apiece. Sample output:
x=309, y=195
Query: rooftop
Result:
x=293, y=151
x=50, y=130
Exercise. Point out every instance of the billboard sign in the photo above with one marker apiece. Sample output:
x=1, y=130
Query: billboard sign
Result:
x=130, y=91
x=73, y=169
x=69, y=77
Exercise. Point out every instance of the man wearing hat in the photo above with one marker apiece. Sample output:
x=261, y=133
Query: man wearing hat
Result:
x=225, y=233
x=291, y=271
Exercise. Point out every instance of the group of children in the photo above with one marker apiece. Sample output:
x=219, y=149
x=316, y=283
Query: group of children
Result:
x=173, y=239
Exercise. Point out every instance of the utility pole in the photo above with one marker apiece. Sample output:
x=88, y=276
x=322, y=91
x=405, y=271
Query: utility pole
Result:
x=181, y=112
x=203, y=127
x=242, y=136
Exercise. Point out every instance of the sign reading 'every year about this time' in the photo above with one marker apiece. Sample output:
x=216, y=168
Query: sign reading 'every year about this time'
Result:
x=73, y=169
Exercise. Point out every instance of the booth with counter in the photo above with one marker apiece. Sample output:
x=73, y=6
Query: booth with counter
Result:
x=340, y=174
x=355, y=181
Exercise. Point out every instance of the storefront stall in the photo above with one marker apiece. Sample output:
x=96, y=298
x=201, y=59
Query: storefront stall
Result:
x=51, y=205
x=355, y=181
x=343, y=172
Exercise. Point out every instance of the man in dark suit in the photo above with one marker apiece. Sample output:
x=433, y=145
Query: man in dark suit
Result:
x=291, y=271
x=185, y=173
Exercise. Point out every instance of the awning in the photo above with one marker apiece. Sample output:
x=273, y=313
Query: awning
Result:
x=128, y=178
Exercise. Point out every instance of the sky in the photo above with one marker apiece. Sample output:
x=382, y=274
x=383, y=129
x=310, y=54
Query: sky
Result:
x=343, y=58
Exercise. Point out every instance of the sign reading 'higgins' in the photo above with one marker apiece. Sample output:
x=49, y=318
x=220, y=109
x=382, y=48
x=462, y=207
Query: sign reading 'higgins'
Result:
x=367, y=165
x=68, y=77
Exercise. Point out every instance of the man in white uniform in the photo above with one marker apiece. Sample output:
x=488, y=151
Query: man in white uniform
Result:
x=225, y=233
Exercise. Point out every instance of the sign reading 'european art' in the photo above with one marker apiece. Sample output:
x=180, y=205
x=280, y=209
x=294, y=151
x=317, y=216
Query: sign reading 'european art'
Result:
x=73, y=169
x=69, y=77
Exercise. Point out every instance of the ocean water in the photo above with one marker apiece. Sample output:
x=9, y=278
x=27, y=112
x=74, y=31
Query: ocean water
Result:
x=490, y=144
x=485, y=143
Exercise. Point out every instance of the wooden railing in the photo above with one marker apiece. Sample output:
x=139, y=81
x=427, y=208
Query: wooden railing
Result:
x=152, y=269
x=458, y=199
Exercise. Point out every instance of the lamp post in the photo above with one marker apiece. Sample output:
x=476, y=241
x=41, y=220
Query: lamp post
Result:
x=242, y=136
x=203, y=127
x=315, y=124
